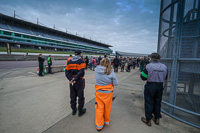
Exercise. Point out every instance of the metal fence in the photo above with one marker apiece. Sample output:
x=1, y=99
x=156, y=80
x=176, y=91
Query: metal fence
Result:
x=179, y=47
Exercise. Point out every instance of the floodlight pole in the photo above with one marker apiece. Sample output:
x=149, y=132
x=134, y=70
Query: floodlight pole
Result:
x=14, y=13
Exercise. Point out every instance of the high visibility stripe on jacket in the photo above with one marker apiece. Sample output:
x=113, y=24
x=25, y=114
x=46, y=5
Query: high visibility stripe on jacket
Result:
x=75, y=67
x=144, y=74
x=69, y=59
x=99, y=127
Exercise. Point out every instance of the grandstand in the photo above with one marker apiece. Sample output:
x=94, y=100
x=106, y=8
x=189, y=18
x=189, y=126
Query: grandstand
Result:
x=23, y=34
x=125, y=54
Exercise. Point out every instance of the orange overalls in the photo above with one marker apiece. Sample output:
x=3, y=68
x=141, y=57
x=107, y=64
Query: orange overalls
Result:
x=104, y=95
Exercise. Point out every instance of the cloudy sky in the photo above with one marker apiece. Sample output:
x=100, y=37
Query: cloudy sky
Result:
x=127, y=25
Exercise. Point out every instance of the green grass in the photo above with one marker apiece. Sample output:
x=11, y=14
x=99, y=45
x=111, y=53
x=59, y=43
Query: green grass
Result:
x=4, y=49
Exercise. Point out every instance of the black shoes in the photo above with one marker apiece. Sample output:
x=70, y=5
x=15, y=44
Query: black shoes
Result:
x=99, y=130
x=74, y=111
x=81, y=112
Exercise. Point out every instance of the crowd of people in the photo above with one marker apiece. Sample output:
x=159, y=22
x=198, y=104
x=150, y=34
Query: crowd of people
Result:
x=154, y=72
x=122, y=63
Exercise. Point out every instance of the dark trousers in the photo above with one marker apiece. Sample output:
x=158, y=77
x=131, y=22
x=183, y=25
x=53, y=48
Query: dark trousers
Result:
x=49, y=68
x=122, y=67
x=133, y=65
x=115, y=68
x=86, y=66
x=41, y=69
x=128, y=68
x=93, y=66
x=77, y=90
x=90, y=66
x=141, y=68
x=153, y=97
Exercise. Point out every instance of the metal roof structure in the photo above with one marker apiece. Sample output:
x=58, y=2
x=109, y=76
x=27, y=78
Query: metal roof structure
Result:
x=125, y=54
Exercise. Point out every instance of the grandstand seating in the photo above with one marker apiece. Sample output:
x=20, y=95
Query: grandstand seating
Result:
x=30, y=36
x=18, y=29
x=4, y=26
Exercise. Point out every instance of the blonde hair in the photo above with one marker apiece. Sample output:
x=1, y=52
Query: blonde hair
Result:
x=106, y=63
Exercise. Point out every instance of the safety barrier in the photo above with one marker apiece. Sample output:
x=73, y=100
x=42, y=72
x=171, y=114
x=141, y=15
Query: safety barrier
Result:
x=54, y=69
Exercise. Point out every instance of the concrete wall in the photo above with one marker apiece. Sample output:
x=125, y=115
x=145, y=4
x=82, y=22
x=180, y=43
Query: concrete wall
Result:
x=55, y=69
x=6, y=57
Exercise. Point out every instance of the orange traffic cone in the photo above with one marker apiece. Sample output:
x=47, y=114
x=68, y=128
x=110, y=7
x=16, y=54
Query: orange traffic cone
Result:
x=38, y=70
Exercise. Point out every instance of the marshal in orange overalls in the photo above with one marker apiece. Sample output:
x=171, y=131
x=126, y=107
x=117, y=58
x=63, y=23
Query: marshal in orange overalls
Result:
x=104, y=95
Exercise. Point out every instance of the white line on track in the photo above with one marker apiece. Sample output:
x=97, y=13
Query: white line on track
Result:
x=125, y=77
x=32, y=73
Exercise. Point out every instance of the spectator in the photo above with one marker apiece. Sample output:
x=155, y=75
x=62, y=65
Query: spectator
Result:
x=116, y=64
x=41, y=64
x=120, y=59
x=109, y=58
x=99, y=60
x=91, y=58
x=129, y=65
x=86, y=62
x=93, y=63
x=134, y=63
x=123, y=61
x=142, y=63
x=138, y=61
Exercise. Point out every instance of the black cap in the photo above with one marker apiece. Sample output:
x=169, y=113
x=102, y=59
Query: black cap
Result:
x=155, y=56
x=77, y=52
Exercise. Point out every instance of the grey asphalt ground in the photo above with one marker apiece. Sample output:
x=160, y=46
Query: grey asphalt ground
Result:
x=32, y=104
